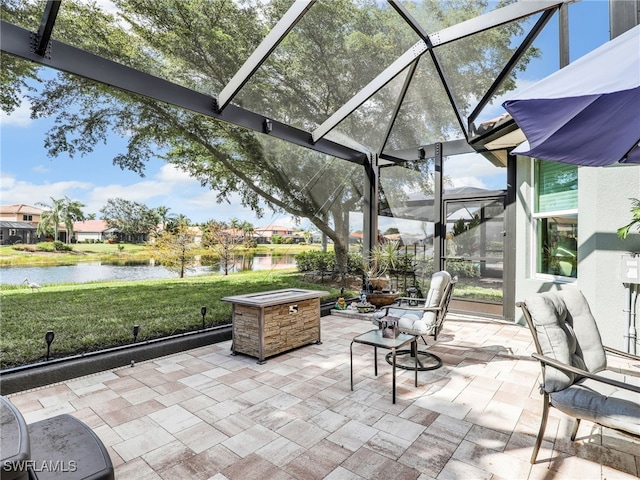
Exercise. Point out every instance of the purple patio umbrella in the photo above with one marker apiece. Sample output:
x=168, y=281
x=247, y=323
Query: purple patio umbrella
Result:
x=587, y=113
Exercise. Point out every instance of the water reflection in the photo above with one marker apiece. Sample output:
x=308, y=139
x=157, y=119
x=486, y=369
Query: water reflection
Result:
x=136, y=269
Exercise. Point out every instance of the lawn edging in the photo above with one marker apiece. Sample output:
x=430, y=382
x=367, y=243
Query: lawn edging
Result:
x=36, y=375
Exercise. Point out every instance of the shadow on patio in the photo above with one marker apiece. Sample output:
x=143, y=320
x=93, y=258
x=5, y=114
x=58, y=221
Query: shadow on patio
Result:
x=206, y=414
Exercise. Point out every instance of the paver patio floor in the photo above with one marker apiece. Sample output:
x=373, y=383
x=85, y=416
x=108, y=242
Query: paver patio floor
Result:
x=205, y=414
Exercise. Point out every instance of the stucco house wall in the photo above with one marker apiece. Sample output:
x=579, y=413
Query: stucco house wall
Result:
x=603, y=207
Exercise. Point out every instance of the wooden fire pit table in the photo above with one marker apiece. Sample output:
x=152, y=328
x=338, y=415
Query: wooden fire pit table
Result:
x=269, y=323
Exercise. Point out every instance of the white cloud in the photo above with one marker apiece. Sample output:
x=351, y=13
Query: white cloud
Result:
x=469, y=182
x=15, y=191
x=204, y=206
x=171, y=174
x=20, y=117
x=137, y=192
x=472, y=168
x=169, y=187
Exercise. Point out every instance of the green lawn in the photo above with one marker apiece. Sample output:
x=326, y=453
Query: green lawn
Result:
x=87, y=317
x=94, y=252
x=82, y=252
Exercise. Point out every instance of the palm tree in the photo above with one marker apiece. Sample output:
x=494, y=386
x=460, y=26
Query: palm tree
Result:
x=164, y=216
x=62, y=210
x=623, y=232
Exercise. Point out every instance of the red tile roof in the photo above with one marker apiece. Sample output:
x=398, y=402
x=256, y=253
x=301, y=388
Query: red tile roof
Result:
x=90, y=226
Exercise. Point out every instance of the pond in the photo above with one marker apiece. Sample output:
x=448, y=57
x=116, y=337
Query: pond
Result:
x=140, y=270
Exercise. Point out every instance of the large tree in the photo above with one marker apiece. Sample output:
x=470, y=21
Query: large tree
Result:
x=336, y=49
x=132, y=219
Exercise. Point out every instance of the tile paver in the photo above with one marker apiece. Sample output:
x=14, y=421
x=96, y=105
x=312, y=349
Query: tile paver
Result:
x=210, y=415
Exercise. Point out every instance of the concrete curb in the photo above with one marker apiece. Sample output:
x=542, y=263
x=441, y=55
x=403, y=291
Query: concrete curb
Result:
x=46, y=373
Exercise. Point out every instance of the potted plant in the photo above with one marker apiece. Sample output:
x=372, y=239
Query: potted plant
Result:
x=382, y=259
x=623, y=232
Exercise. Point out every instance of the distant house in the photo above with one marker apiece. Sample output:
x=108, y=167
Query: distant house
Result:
x=20, y=213
x=90, y=230
x=196, y=231
x=265, y=234
x=99, y=231
x=356, y=237
x=18, y=224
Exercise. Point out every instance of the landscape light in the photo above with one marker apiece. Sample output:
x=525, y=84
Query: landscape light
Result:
x=136, y=330
x=48, y=337
x=203, y=312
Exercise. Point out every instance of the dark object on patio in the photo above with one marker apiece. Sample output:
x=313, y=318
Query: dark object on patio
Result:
x=571, y=353
x=61, y=447
x=380, y=299
x=421, y=320
x=14, y=443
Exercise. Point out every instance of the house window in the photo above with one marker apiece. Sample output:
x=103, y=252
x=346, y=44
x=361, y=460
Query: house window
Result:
x=27, y=218
x=556, y=219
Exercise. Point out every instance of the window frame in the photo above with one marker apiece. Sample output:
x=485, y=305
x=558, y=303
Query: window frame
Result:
x=536, y=216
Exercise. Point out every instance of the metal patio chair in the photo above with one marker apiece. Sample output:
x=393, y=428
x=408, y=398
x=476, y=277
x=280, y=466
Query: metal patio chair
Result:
x=575, y=377
x=421, y=317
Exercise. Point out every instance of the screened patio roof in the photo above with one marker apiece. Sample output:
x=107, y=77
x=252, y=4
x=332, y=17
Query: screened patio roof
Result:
x=317, y=75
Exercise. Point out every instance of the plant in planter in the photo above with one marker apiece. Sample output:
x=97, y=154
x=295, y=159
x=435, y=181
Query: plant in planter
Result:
x=382, y=259
x=623, y=232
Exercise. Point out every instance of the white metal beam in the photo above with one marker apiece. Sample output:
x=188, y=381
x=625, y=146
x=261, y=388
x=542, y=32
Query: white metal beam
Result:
x=367, y=92
x=262, y=51
x=492, y=19
x=495, y=18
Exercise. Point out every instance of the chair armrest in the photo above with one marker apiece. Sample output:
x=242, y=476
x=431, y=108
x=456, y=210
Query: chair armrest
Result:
x=620, y=353
x=431, y=309
x=409, y=299
x=423, y=308
x=552, y=362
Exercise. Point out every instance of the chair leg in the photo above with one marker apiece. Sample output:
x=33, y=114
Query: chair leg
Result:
x=543, y=425
x=575, y=429
x=407, y=359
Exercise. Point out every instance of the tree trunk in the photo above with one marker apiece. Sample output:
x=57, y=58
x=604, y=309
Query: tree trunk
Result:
x=341, y=240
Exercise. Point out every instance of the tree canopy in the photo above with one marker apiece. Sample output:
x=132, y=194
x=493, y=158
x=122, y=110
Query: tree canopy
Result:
x=336, y=49
x=131, y=219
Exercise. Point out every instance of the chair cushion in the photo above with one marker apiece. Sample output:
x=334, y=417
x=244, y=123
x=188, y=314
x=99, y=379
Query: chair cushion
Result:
x=556, y=337
x=417, y=321
x=408, y=322
x=439, y=283
x=567, y=332
x=415, y=324
x=602, y=403
x=589, y=343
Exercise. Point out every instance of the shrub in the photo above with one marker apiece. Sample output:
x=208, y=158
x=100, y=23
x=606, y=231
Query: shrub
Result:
x=23, y=247
x=315, y=261
x=58, y=246
x=354, y=263
x=463, y=269
x=45, y=247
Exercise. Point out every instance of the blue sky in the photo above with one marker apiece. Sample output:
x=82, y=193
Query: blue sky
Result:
x=28, y=175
